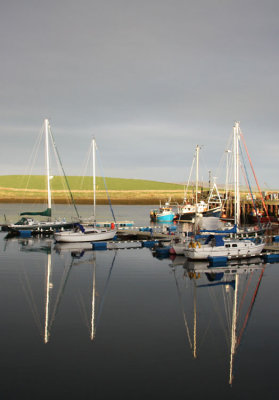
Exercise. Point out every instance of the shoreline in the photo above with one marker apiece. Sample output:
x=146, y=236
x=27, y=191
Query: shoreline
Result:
x=125, y=197
x=84, y=201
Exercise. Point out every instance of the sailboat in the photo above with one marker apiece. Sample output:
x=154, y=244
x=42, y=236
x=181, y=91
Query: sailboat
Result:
x=188, y=211
x=82, y=233
x=27, y=223
x=220, y=245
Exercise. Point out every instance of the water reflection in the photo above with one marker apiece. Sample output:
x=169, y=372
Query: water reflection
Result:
x=74, y=255
x=209, y=308
x=231, y=292
x=40, y=246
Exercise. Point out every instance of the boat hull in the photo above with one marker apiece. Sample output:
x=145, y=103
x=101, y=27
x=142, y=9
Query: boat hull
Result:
x=37, y=229
x=205, y=251
x=165, y=218
x=77, y=237
x=214, y=212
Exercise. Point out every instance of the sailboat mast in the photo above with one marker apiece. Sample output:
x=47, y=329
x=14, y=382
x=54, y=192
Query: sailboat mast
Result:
x=46, y=129
x=197, y=171
x=236, y=174
x=94, y=177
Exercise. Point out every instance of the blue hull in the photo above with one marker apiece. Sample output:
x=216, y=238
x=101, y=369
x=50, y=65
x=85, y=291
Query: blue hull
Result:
x=165, y=218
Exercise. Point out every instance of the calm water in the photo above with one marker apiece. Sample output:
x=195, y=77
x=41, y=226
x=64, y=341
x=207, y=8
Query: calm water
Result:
x=77, y=323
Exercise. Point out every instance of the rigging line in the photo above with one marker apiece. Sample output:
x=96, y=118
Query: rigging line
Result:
x=188, y=183
x=31, y=162
x=218, y=311
x=248, y=315
x=30, y=299
x=263, y=202
x=64, y=279
x=202, y=340
x=33, y=156
x=104, y=293
x=245, y=292
x=66, y=179
x=183, y=312
x=61, y=180
x=204, y=167
x=214, y=301
x=85, y=167
x=220, y=167
x=83, y=311
x=105, y=184
x=250, y=190
x=249, y=185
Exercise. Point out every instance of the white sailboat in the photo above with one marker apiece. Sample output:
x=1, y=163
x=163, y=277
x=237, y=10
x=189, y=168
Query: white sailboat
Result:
x=219, y=245
x=27, y=223
x=87, y=233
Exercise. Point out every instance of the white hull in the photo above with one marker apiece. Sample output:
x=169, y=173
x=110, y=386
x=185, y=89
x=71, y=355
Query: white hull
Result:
x=87, y=236
x=243, y=248
x=178, y=249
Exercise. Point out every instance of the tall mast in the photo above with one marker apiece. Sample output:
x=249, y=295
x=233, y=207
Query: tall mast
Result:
x=46, y=129
x=236, y=174
x=197, y=171
x=94, y=178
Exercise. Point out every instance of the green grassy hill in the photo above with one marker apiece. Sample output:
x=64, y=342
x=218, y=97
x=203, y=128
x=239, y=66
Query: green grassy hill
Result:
x=85, y=183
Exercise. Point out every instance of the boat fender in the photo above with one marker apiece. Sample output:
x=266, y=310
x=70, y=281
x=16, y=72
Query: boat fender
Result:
x=112, y=225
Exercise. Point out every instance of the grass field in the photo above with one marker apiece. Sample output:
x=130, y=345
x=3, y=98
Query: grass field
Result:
x=21, y=188
x=78, y=183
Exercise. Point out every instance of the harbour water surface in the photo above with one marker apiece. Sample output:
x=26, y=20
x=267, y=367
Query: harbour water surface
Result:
x=77, y=323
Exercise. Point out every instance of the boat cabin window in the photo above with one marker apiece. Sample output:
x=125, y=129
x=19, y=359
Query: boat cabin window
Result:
x=228, y=245
x=234, y=245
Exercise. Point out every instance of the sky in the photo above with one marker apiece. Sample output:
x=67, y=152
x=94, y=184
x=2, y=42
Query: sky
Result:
x=149, y=79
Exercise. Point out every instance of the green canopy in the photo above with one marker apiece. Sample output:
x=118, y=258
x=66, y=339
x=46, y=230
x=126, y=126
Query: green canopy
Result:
x=46, y=213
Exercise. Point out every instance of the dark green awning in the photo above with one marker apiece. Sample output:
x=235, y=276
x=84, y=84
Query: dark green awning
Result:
x=46, y=213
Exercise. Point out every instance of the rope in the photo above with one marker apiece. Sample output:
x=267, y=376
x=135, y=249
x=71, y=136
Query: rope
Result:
x=242, y=137
x=31, y=162
x=66, y=179
x=250, y=189
x=105, y=184
x=250, y=308
x=245, y=292
x=183, y=311
x=105, y=291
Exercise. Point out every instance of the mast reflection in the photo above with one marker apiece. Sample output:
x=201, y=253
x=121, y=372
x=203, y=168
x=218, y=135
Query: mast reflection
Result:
x=233, y=288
